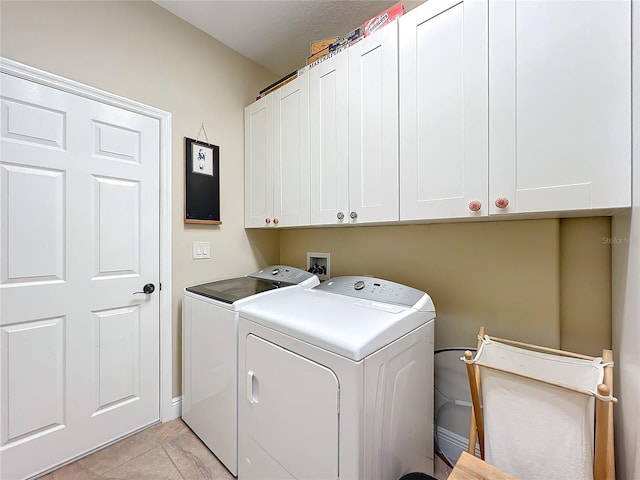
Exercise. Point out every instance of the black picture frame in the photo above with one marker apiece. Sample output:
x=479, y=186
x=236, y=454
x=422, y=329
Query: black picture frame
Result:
x=202, y=182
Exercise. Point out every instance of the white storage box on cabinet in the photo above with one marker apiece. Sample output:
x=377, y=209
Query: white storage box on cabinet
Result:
x=277, y=157
x=354, y=133
x=560, y=105
x=444, y=110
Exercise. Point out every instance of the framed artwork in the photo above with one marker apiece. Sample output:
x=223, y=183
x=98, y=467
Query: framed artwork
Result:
x=201, y=159
x=202, y=185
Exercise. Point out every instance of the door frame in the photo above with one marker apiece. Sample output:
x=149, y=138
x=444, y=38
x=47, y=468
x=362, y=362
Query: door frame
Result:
x=168, y=410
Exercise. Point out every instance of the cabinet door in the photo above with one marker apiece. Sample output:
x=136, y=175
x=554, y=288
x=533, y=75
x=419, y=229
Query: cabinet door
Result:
x=443, y=110
x=373, y=127
x=560, y=105
x=291, y=157
x=258, y=168
x=289, y=423
x=328, y=116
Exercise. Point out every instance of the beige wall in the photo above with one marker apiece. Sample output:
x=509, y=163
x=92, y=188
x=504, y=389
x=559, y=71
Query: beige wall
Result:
x=510, y=276
x=140, y=51
x=585, y=284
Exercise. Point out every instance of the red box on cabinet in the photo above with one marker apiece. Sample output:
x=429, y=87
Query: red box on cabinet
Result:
x=383, y=18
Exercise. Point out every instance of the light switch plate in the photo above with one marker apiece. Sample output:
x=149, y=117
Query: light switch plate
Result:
x=201, y=250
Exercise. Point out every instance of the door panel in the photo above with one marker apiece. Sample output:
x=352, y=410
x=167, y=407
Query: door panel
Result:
x=328, y=117
x=117, y=205
x=29, y=258
x=560, y=73
x=258, y=167
x=443, y=110
x=291, y=156
x=118, y=371
x=33, y=384
x=373, y=127
x=289, y=416
x=79, y=234
x=33, y=124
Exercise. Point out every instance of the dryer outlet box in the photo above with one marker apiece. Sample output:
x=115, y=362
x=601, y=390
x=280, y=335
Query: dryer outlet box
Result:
x=319, y=264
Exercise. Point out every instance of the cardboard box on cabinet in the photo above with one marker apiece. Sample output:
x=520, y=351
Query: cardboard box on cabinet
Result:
x=320, y=45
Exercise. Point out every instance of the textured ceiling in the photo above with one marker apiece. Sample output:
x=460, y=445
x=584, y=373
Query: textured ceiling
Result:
x=276, y=34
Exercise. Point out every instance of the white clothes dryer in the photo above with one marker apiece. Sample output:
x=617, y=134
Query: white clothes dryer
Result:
x=210, y=352
x=336, y=381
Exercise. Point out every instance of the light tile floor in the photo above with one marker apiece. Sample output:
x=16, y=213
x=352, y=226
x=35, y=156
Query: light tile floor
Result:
x=168, y=451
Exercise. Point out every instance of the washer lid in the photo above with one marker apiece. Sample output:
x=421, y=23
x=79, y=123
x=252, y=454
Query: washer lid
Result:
x=345, y=325
x=269, y=278
x=233, y=289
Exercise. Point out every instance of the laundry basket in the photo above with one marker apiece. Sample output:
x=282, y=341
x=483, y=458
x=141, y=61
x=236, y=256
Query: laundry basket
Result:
x=539, y=410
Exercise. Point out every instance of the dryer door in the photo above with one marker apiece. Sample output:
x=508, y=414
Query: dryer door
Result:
x=289, y=416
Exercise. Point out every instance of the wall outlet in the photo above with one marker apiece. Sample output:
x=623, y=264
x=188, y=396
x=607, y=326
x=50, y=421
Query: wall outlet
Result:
x=319, y=264
x=201, y=250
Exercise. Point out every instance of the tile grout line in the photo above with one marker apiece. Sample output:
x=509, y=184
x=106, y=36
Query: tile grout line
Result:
x=172, y=462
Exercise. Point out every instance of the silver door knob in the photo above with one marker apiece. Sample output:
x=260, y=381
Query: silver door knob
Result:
x=340, y=215
x=353, y=215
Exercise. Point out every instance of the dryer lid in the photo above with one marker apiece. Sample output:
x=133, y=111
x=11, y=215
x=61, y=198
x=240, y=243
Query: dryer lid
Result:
x=348, y=326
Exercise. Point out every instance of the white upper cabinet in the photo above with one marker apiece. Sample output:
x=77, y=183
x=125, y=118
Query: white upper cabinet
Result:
x=354, y=132
x=329, y=119
x=461, y=109
x=291, y=194
x=277, y=157
x=373, y=127
x=560, y=105
x=444, y=110
x=258, y=163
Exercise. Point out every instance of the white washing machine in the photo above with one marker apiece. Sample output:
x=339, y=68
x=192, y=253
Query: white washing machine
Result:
x=210, y=352
x=336, y=381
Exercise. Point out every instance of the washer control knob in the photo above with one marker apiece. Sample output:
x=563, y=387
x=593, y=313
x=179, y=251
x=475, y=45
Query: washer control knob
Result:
x=275, y=271
x=359, y=285
x=502, y=202
x=340, y=216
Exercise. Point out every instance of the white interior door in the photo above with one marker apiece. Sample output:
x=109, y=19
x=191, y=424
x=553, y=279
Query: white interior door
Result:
x=79, y=235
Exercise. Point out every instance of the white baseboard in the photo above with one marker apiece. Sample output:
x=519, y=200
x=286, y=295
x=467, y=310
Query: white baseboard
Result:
x=176, y=407
x=452, y=445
